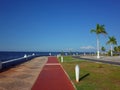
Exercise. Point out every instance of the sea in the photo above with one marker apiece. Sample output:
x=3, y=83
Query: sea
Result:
x=8, y=55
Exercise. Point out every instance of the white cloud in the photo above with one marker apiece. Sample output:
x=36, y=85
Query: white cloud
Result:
x=87, y=47
x=68, y=49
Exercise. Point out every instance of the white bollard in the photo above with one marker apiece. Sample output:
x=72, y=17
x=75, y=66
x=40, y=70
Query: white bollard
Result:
x=33, y=54
x=76, y=53
x=84, y=54
x=61, y=58
x=66, y=54
x=57, y=56
x=49, y=54
x=25, y=56
x=77, y=72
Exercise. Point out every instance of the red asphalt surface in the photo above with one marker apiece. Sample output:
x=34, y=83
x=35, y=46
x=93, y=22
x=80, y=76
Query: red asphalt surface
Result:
x=52, y=77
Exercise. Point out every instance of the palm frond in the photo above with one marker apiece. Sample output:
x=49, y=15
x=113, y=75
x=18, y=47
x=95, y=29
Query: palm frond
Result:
x=100, y=29
x=112, y=40
x=93, y=31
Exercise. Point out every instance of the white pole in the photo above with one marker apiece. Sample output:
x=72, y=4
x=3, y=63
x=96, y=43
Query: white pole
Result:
x=77, y=72
x=111, y=50
x=98, y=52
x=61, y=58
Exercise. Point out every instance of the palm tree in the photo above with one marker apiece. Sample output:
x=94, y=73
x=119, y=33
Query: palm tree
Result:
x=99, y=30
x=112, y=41
x=103, y=50
x=116, y=49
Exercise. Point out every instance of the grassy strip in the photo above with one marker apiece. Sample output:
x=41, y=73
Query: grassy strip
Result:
x=93, y=76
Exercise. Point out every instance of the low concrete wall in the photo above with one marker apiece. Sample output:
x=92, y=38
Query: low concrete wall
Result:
x=13, y=62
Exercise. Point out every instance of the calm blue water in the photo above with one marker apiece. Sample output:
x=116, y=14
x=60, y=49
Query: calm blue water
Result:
x=5, y=55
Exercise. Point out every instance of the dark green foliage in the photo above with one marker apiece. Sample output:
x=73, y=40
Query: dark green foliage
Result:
x=103, y=48
x=112, y=40
x=117, y=48
x=100, y=29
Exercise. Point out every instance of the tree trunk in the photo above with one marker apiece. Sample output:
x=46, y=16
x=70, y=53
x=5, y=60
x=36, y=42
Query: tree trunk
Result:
x=98, y=52
x=111, y=50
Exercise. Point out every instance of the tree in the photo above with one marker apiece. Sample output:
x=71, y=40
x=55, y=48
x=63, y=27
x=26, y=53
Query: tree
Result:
x=116, y=49
x=99, y=30
x=112, y=41
x=103, y=49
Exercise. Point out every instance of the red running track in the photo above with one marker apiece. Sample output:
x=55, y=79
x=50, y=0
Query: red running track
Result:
x=52, y=77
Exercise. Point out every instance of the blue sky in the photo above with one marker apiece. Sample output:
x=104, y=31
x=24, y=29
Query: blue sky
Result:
x=55, y=25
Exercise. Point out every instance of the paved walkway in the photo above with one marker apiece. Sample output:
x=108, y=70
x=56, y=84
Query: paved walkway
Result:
x=52, y=77
x=23, y=76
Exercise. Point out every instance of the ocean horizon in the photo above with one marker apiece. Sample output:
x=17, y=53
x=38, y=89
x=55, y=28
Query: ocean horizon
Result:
x=8, y=55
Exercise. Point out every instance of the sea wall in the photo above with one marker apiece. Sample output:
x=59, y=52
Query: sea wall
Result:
x=13, y=62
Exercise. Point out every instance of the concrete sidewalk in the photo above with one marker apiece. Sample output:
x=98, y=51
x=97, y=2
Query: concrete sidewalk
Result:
x=23, y=76
x=53, y=77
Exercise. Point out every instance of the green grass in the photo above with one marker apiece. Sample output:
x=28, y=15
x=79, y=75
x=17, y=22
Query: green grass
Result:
x=99, y=76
